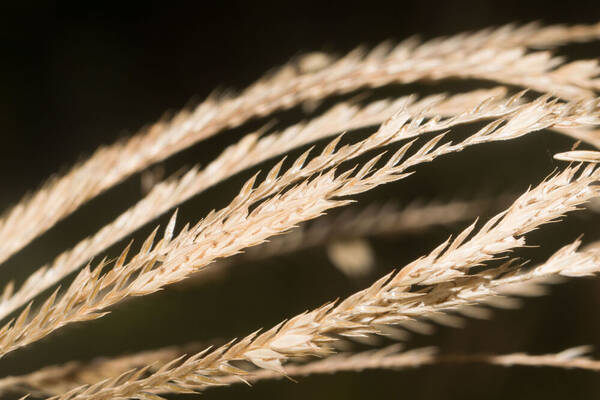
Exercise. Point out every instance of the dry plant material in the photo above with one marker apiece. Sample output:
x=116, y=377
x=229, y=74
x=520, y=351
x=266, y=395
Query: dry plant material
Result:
x=350, y=226
x=61, y=378
x=251, y=150
x=389, y=300
x=481, y=56
x=228, y=231
x=374, y=220
x=457, y=277
x=579, y=156
x=311, y=333
x=404, y=124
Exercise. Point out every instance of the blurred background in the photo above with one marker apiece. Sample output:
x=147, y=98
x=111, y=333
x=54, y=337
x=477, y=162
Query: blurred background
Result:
x=76, y=75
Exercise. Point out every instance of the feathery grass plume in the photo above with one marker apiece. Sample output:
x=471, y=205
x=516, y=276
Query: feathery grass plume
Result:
x=311, y=333
x=481, y=56
x=459, y=277
x=567, y=262
x=392, y=358
x=230, y=230
x=540, y=202
x=62, y=378
x=251, y=150
x=534, y=35
x=374, y=220
x=351, y=225
x=57, y=379
x=462, y=108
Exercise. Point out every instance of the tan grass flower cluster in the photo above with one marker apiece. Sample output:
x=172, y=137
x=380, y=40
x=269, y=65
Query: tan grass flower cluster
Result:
x=458, y=278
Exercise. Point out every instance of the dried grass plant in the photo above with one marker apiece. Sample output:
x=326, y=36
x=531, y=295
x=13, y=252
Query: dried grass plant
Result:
x=462, y=277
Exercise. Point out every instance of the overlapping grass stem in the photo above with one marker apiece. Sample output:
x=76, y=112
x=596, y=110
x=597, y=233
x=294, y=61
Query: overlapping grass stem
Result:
x=456, y=279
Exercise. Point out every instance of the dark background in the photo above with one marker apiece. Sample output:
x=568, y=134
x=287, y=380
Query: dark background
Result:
x=75, y=75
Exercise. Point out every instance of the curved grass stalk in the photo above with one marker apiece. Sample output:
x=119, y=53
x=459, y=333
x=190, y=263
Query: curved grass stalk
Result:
x=371, y=221
x=230, y=230
x=311, y=333
x=61, y=378
x=467, y=56
x=250, y=151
